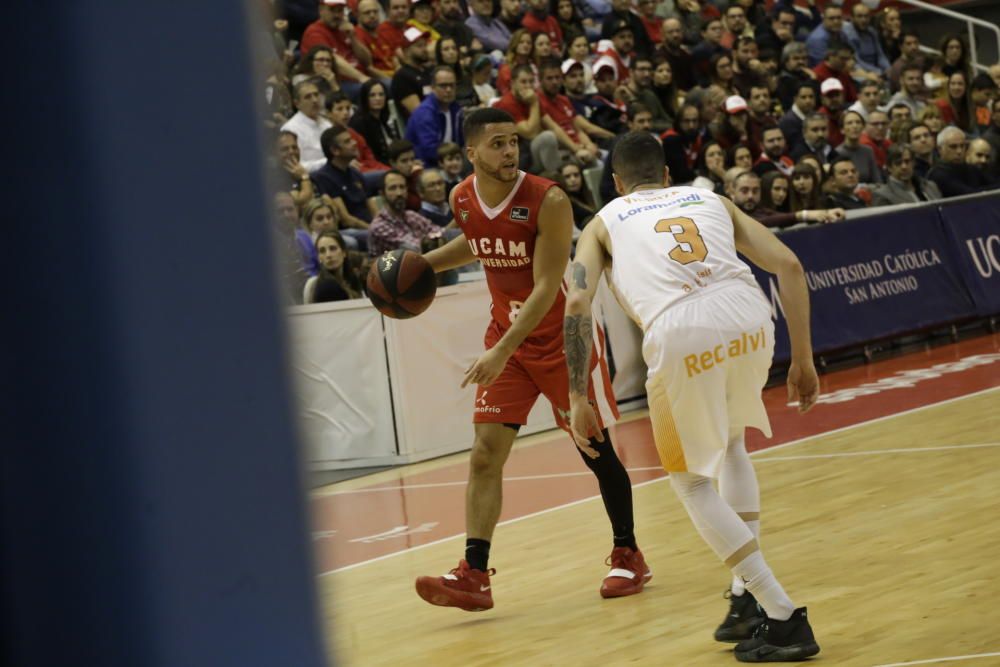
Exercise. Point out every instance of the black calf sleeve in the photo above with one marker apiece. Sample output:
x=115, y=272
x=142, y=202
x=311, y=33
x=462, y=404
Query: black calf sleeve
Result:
x=616, y=489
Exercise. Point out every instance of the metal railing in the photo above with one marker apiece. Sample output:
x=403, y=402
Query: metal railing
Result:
x=970, y=23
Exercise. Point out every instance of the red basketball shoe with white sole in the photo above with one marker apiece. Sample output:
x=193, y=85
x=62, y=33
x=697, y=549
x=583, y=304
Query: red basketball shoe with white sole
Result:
x=463, y=587
x=629, y=573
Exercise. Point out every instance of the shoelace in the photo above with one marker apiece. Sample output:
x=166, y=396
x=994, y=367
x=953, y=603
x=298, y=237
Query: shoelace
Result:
x=621, y=561
x=461, y=573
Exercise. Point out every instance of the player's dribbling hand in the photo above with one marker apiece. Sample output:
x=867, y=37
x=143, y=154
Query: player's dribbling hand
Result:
x=487, y=368
x=803, y=385
x=583, y=422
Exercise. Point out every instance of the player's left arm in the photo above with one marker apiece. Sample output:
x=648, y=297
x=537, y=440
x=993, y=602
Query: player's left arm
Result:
x=552, y=245
x=587, y=267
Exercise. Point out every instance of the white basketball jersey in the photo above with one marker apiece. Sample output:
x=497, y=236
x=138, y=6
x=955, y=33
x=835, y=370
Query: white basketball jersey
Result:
x=668, y=244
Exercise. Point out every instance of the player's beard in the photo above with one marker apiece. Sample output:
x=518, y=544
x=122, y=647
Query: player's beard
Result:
x=498, y=173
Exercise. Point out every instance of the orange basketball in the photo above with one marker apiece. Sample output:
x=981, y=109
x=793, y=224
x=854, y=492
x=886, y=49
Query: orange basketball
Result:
x=401, y=284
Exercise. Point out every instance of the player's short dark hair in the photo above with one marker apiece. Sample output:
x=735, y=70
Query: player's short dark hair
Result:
x=549, y=64
x=328, y=139
x=839, y=160
x=476, y=121
x=638, y=158
x=397, y=148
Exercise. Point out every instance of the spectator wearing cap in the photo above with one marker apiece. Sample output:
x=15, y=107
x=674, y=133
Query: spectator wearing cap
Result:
x=575, y=86
x=732, y=127
x=832, y=106
x=618, y=49
x=437, y=119
x=579, y=52
x=392, y=30
x=575, y=133
x=911, y=90
x=481, y=70
x=493, y=34
x=829, y=31
x=334, y=30
x=903, y=186
x=875, y=137
x=793, y=73
x=836, y=65
x=384, y=62
x=411, y=82
x=673, y=50
x=853, y=125
x=451, y=23
x=863, y=38
x=422, y=18
x=621, y=11
x=604, y=108
x=539, y=147
x=804, y=104
x=815, y=133
x=774, y=155
x=538, y=19
x=639, y=88
x=308, y=124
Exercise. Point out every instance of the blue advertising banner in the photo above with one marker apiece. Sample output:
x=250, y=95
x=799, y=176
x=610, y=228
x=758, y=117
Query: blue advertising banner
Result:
x=872, y=278
x=974, y=228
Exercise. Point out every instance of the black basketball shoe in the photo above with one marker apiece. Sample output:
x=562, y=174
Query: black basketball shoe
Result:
x=780, y=641
x=744, y=615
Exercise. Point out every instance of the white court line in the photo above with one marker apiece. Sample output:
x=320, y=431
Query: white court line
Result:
x=557, y=475
x=950, y=658
x=660, y=479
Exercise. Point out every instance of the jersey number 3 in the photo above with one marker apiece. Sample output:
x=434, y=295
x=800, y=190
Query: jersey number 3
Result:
x=690, y=245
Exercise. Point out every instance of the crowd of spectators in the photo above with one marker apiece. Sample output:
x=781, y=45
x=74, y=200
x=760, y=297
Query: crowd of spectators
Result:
x=797, y=111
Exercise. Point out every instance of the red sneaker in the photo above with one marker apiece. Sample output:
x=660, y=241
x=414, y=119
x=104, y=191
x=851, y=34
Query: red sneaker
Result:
x=629, y=573
x=463, y=587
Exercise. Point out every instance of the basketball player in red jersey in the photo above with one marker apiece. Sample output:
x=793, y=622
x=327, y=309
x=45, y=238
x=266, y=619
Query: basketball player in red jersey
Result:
x=520, y=227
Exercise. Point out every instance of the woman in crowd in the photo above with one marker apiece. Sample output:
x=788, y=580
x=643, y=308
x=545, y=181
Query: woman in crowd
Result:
x=338, y=279
x=570, y=23
x=805, y=188
x=890, y=26
x=582, y=199
x=956, y=55
x=447, y=54
x=720, y=72
x=520, y=51
x=931, y=117
x=853, y=125
x=317, y=217
x=542, y=49
x=578, y=49
x=774, y=188
x=739, y=156
x=711, y=168
x=813, y=161
x=956, y=108
x=372, y=120
x=482, y=73
x=665, y=88
x=318, y=65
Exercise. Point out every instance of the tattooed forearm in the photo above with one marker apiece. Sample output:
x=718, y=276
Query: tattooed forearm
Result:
x=579, y=275
x=577, y=342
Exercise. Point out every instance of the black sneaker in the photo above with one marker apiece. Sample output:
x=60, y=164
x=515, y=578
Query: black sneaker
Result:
x=744, y=615
x=780, y=641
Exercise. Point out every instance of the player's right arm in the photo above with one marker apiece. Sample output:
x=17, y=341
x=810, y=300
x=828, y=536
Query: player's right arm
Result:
x=454, y=253
x=587, y=267
x=764, y=249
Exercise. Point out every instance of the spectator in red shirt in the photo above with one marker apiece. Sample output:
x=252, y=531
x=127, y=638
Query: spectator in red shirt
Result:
x=573, y=131
x=836, y=65
x=736, y=25
x=384, y=62
x=391, y=30
x=334, y=30
x=650, y=21
x=537, y=19
x=874, y=136
x=774, y=156
x=539, y=147
x=620, y=51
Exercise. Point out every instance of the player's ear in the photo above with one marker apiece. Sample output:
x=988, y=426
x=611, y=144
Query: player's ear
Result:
x=619, y=187
x=666, y=176
x=469, y=152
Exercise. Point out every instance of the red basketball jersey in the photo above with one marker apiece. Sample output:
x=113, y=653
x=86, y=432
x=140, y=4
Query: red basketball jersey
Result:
x=503, y=238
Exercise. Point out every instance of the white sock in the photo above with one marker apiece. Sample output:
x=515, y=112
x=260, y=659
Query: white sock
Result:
x=761, y=582
x=738, y=487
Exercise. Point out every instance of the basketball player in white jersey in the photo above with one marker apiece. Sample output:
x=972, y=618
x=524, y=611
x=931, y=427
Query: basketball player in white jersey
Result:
x=708, y=341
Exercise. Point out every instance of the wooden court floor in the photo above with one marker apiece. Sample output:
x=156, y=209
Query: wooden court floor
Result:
x=887, y=531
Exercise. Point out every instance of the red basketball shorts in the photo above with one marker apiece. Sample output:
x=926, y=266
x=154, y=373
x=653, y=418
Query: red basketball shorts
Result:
x=539, y=367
